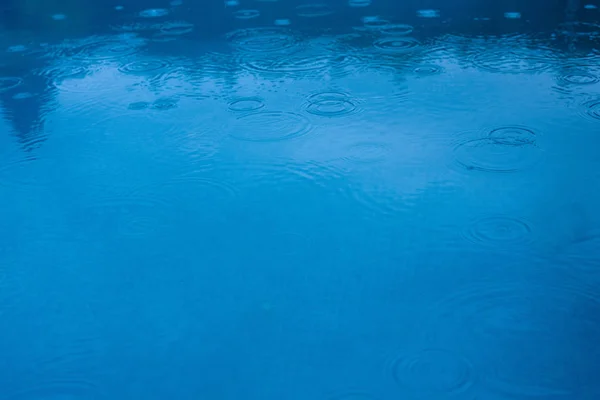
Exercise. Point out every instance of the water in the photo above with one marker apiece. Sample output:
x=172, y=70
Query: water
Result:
x=351, y=200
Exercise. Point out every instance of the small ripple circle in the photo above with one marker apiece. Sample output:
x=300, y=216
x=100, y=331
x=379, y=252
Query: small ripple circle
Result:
x=246, y=104
x=144, y=66
x=8, y=82
x=577, y=78
x=262, y=40
x=591, y=109
x=269, y=126
x=313, y=10
x=331, y=104
x=110, y=49
x=396, y=45
x=495, y=155
x=513, y=135
x=246, y=14
x=498, y=229
x=433, y=371
x=396, y=29
x=154, y=13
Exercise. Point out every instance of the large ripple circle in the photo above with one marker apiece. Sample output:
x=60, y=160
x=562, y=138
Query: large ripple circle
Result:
x=493, y=154
x=269, y=126
x=433, y=371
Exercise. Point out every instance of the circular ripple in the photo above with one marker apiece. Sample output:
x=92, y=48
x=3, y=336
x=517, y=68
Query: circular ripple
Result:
x=176, y=28
x=262, y=40
x=313, y=10
x=359, y=3
x=246, y=14
x=331, y=104
x=396, y=45
x=513, y=136
x=8, y=82
x=427, y=70
x=578, y=78
x=154, y=13
x=514, y=62
x=499, y=230
x=304, y=64
x=433, y=371
x=493, y=155
x=367, y=152
x=543, y=329
x=375, y=23
x=269, y=126
x=246, y=104
x=396, y=29
x=591, y=109
x=110, y=49
x=143, y=67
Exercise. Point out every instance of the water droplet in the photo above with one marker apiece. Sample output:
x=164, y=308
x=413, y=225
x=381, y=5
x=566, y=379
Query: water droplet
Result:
x=246, y=104
x=591, y=109
x=492, y=155
x=154, y=13
x=397, y=45
x=313, y=10
x=433, y=371
x=232, y=3
x=119, y=8
x=331, y=104
x=8, y=83
x=246, y=14
x=59, y=17
x=269, y=126
x=590, y=7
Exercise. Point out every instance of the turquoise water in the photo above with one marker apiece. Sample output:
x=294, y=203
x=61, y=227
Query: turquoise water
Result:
x=354, y=200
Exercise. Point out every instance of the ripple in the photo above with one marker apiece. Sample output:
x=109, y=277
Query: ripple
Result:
x=359, y=3
x=58, y=390
x=433, y=371
x=176, y=28
x=331, y=104
x=304, y=64
x=514, y=62
x=367, y=152
x=143, y=67
x=263, y=40
x=397, y=45
x=8, y=83
x=375, y=23
x=513, y=136
x=575, y=76
x=154, y=13
x=428, y=70
x=246, y=14
x=591, y=109
x=396, y=29
x=246, y=104
x=269, y=126
x=543, y=327
x=493, y=155
x=134, y=215
x=313, y=10
x=107, y=49
x=498, y=230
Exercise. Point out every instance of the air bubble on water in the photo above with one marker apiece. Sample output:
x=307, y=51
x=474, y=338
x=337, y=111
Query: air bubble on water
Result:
x=59, y=17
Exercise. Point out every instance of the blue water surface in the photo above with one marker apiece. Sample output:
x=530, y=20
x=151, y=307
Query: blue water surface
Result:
x=273, y=199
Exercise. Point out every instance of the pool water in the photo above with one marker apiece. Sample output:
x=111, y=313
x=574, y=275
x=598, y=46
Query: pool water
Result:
x=353, y=200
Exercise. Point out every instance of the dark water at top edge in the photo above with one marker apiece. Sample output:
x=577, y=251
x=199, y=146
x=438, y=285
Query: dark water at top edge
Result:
x=271, y=199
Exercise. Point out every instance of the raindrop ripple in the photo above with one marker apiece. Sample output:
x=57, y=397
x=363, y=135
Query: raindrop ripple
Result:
x=269, y=126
